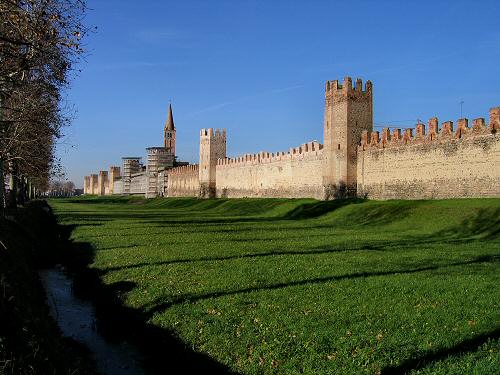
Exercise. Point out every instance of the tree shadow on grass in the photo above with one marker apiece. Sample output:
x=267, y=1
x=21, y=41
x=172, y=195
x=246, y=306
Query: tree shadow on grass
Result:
x=162, y=351
x=315, y=251
x=381, y=213
x=317, y=209
x=430, y=357
x=371, y=215
x=484, y=225
x=166, y=217
x=160, y=304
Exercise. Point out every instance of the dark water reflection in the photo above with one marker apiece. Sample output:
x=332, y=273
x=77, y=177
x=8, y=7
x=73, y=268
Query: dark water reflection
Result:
x=76, y=319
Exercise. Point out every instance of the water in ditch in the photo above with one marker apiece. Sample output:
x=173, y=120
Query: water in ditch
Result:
x=76, y=319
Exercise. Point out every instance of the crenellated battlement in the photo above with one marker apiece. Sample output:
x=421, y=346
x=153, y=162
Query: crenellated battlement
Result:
x=213, y=133
x=184, y=169
x=346, y=86
x=311, y=149
x=420, y=134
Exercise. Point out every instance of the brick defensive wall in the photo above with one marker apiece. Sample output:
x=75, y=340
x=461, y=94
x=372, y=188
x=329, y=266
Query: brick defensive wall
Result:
x=294, y=174
x=183, y=181
x=432, y=163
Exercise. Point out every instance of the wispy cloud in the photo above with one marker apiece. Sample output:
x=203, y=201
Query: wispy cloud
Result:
x=244, y=98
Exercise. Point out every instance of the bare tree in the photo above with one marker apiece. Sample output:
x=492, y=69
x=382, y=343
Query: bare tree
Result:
x=69, y=186
x=40, y=41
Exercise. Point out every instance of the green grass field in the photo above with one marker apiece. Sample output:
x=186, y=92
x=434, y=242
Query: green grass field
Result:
x=301, y=286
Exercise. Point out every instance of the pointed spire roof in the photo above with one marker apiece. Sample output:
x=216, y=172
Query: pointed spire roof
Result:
x=169, y=124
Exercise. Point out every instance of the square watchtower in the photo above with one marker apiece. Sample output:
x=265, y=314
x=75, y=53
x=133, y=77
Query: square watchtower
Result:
x=348, y=111
x=212, y=148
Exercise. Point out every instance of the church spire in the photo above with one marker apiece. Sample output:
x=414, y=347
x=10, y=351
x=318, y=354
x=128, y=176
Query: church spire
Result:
x=169, y=132
x=169, y=124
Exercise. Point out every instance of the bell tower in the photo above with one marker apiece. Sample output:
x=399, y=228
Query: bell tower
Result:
x=169, y=132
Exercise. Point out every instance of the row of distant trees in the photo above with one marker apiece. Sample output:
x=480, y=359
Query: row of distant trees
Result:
x=58, y=188
x=40, y=43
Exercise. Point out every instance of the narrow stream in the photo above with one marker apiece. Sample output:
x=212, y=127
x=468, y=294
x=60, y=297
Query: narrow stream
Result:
x=76, y=319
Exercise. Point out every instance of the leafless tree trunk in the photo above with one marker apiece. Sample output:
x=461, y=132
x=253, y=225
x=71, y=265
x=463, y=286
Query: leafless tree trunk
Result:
x=39, y=43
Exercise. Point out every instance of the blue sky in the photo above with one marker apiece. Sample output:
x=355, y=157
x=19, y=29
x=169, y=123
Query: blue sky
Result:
x=258, y=68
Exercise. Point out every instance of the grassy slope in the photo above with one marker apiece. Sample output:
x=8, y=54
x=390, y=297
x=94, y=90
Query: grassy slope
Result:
x=292, y=286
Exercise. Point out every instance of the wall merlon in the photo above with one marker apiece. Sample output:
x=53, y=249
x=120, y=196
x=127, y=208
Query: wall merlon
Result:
x=364, y=138
x=206, y=133
x=408, y=136
x=386, y=137
x=446, y=129
x=478, y=125
x=359, y=85
x=347, y=84
x=462, y=128
x=420, y=131
x=433, y=128
x=368, y=86
x=396, y=138
x=494, y=119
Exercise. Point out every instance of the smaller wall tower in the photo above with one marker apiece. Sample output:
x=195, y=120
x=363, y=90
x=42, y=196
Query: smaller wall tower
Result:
x=114, y=174
x=93, y=184
x=212, y=147
x=102, y=182
x=86, y=185
x=169, y=132
x=159, y=158
x=131, y=165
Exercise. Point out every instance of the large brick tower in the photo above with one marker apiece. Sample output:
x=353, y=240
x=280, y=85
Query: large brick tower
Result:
x=212, y=147
x=169, y=132
x=348, y=111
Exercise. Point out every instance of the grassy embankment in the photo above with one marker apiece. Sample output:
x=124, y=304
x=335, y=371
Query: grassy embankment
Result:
x=299, y=286
x=30, y=342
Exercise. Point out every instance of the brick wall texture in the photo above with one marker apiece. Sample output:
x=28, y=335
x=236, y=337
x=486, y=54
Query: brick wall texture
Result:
x=445, y=164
